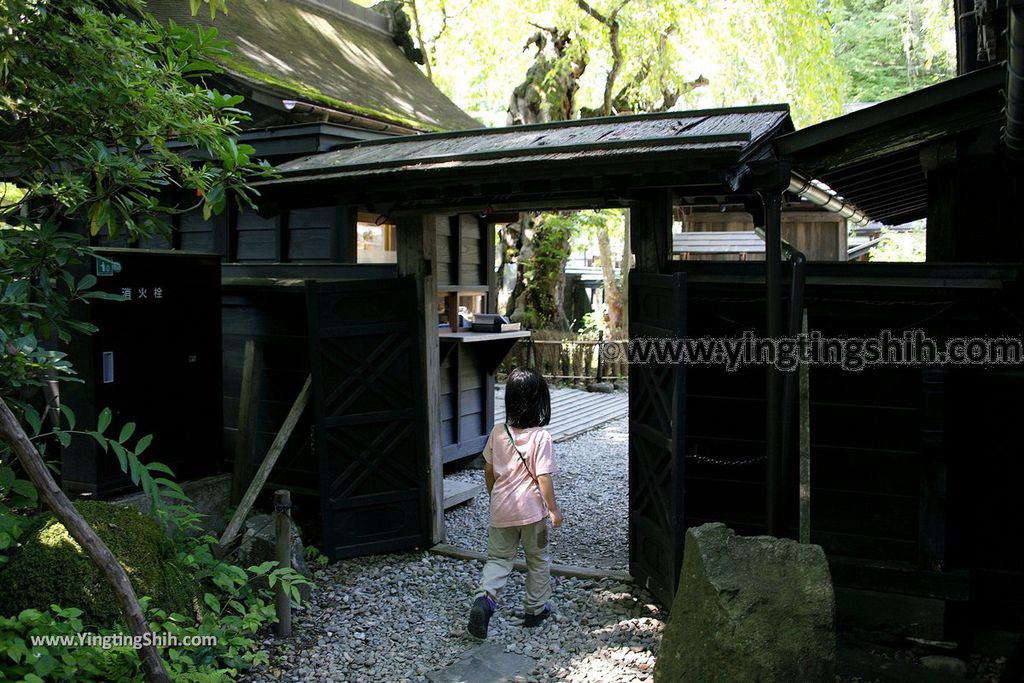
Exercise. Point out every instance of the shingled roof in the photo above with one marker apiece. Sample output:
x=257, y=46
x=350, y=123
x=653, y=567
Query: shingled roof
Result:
x=736, y=131
x=561, y=161
x=326, y=52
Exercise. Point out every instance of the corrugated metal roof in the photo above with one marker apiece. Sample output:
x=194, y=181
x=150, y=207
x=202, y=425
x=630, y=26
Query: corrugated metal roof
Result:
x=320, y=54
x=718, y=242
x=739, y=130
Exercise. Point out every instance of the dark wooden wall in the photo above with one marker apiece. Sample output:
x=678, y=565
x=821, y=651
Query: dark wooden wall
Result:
x=313, y=235
x=914, y=470
x=274, y=316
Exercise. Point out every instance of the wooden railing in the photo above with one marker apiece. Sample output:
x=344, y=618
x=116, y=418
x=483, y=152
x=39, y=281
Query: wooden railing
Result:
x=569, y=360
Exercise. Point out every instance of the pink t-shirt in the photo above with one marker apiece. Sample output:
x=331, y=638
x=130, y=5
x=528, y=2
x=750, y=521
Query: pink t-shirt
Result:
x=515, y=500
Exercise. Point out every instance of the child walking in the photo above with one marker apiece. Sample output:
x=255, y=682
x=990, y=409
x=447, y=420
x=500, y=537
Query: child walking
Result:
x=520, y=459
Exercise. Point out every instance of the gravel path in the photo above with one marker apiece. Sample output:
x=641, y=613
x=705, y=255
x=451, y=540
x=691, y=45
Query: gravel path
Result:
x=397, y=617
x=592, y=488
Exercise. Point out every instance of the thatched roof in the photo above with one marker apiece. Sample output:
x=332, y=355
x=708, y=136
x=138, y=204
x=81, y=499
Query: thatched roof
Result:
x=325, y=52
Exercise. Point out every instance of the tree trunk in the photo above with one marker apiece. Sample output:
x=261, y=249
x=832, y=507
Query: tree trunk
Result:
x=98, y=552
x=612, y=291
x=419, y=39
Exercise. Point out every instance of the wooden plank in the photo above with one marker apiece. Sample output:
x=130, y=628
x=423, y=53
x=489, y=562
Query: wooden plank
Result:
x=263, y=473
x=520, y=566
x=457, y=492
x=248, y=406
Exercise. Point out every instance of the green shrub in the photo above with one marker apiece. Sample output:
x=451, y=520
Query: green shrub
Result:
x=51, y=568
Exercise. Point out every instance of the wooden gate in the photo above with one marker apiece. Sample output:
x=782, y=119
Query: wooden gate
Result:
x=656, y=412
x=370, y=416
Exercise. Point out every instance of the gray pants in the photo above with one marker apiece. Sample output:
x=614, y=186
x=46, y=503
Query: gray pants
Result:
x=502, y=544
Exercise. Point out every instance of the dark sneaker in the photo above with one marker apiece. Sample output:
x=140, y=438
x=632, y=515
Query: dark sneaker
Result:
x=480, y=616
x=533, y=620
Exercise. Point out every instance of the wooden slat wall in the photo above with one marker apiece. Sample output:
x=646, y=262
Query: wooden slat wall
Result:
x=196, y=234
x=309, y=234
x=883, y=439
x=277, y=321
x=256, y=238
x=820, y=235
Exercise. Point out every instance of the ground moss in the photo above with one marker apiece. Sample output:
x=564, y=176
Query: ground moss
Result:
x=51, y=568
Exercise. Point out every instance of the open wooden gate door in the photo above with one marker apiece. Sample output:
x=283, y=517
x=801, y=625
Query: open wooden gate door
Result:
x=370, y=416
x=656, y=411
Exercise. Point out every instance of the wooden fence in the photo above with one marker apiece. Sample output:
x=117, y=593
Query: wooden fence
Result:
x=569, y=360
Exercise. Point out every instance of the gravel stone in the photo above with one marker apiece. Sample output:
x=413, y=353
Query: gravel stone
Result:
x=400, y=616
x=407, y=614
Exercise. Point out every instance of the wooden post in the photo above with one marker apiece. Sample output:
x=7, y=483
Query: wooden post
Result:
x=94, y=547
x=260, y=478
x=805, y=442
x=283, y=555
x=417, y=248
x=248, y=411
x=650, y=230
x=775, y=484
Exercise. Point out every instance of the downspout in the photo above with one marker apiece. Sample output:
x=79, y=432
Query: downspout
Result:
x=344, y=117
x=807, y=189
x=1013, y=133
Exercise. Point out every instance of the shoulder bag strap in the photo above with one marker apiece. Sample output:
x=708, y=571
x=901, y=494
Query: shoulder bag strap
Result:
x=523, y=459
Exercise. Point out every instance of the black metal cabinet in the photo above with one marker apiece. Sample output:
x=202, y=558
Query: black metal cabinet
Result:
x=155, y=361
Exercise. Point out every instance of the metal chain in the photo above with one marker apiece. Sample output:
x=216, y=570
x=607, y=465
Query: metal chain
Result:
x=715, y=461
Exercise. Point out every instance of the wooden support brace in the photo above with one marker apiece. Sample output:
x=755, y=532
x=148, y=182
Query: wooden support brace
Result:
x=263, y=473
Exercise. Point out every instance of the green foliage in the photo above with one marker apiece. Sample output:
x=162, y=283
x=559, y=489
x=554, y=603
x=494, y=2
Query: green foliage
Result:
x=96, y=107
x=50, y=567
x=23, y=660
x=17, y=496
x=235, y=604
x=750, y=52
x=901, y=246
x=314, y=556
x=891, y=47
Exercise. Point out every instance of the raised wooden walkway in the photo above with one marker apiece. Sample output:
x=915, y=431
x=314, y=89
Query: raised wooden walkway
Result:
x=573, y=411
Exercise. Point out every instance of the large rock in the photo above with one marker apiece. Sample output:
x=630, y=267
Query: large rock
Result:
x=749, y=609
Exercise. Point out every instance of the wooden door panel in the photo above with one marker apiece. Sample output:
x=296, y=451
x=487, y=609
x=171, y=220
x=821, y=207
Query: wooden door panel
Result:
x=656, y=412
x=370, y=416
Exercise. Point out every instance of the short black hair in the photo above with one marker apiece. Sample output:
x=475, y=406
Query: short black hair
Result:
x=527, y=399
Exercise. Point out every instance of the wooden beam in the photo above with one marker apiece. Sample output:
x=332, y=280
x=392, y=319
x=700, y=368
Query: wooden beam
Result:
x=248, y=413
x=263, y=473
x=520, y=566
x=417, y=248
